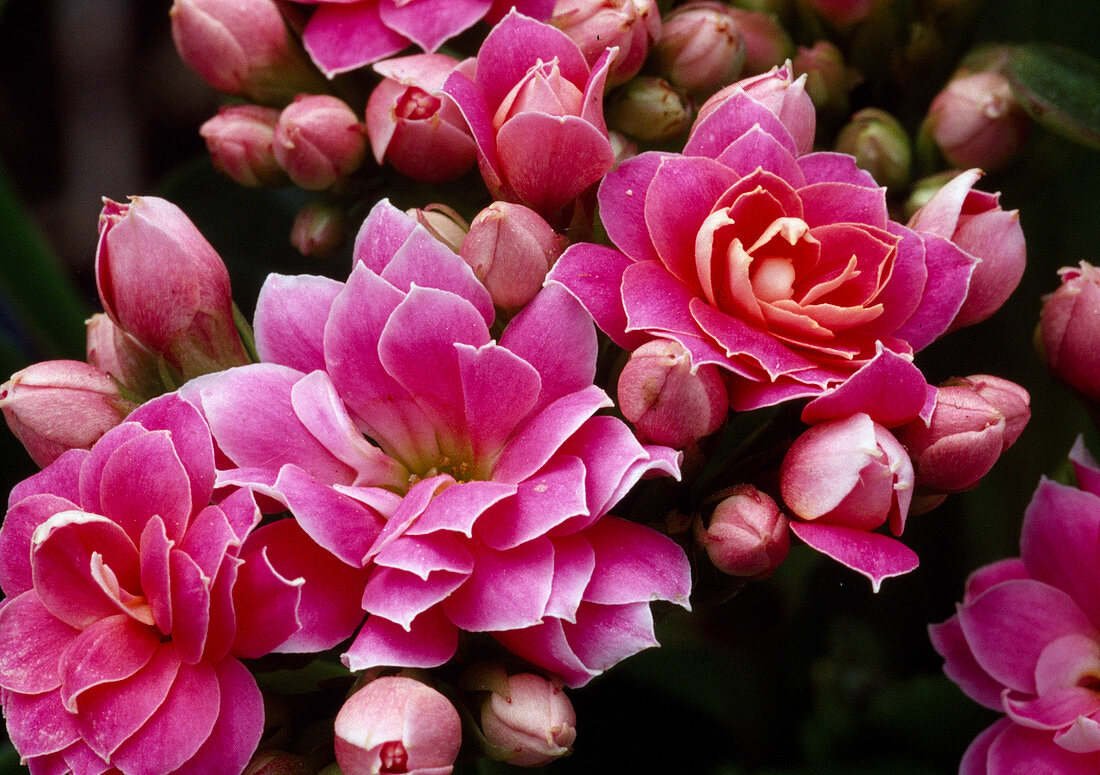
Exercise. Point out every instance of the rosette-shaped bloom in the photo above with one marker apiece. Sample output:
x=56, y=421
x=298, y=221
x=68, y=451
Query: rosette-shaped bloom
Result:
x=468, y=480
x=342, y=35
x=535, y=109
x=779, y=266
x=1026, y=638
x=129, y=601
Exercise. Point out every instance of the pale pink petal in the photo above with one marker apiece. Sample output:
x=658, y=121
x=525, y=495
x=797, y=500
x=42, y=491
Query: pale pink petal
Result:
x=543, y=501
x=1082, y=736
x=636, y=564
x=1052, y=710
x=1064, y=661
x=28, y=665
x=430, y=641
x=941, y=214
x=959, y=664
x=506, y=590
x=1084, y=466
x=344, y=36
x=428, y=23
x=38, y=724
x=110, y=650
x=15, y=538
x=873, y=555
x=290, y=320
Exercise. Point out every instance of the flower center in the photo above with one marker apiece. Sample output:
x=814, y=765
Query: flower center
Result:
x=395, y=758
x=459, y=470
x=417, y=104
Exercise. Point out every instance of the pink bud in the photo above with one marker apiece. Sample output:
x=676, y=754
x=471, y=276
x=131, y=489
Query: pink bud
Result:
x=977, y=122
x=443, y=223
x=163, y=283
x=511, y=248
x=543, y=90
x=780, y=93
x=701, y=48
x=668, y=402
x=650, y=109
x=530, y=719
x=239, y=140
x=767, y=44
x=397, y=724
x=413, y=125
x=842, y=13
x=243, y=48
x=747, y=536
x=594, y=25
x=125, y=359
x=320, y=229
x=318, y=141
x=55, y=406
x=850, y=472
x=829, y=80
x=1069, y=329
x=974, y=421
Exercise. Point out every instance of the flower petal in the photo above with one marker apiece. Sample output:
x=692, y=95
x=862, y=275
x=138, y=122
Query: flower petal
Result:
x=873, y=555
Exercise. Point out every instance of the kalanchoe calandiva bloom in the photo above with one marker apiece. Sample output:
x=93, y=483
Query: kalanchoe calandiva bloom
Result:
x=342, y=35
x=471, y=495
x=535, y=109
x=1069, y=329
x=1026, y=638
x=130, y=600
x=779, y=266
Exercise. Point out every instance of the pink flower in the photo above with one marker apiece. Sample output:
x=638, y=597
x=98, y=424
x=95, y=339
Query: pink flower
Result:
x=529, y=719
x=1026, y=638
x=342, y=35
x=780, y=267
x=594, y=25
x=470, y=494
x=535, y=109
x=129, y=601
x=1069, y=333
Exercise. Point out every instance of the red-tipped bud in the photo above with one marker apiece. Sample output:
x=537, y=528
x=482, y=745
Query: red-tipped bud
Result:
x=55, y=406
x=880, y=144
x=530, y=720
x=318, y=141
x=594, y=25
x=829, y=80
x=163, y=283
x=977, y=122
x=1069, y=330
x=974, y=421
x=413, y=125
x=701, y=49
x=748, y=536
x=649, y=109
x=239, y=140
x=443, y=223
x=668, y=402
x=511, y=248
x=125, y=359
x=320, y=229
x=767, y=44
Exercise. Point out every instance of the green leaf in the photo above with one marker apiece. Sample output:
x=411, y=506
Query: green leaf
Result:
x=1060, y=88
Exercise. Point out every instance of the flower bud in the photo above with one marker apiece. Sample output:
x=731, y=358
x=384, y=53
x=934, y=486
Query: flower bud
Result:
x=650, y=109
x=318, y=141
x=880, y=144
x=239, y=140
x=842, y=13
x=55, y=406
x=701, y=48
x=849, y=472
x=243, y=48
x=119, y=355
x=163, y=283
x=530, y=719
x=542, y=90
x=924, y=189
x=747, y=535
x=767, y=44
x=666, y=401
x=974, y=421
x=320, y=229
x=397, y=724
x=511, y=248
x=622, y=146
x=595, y=25
x=783, y=95
x=443, y=223
x=829, y=80
x=1069, y=330
x=976, y=122
x=415, y=127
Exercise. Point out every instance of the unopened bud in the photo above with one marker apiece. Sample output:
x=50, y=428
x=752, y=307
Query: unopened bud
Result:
x=443, y=223
x=239, y=140
x=320, y=229
x=530, y=720
x=1069, y=330
x=880, y=144
x=701, y=49
x=595, y=25
x=649, y=109
x=318, y=141
x=829, y=80
x=122, y=357
x=767, y=44
x=747, y=536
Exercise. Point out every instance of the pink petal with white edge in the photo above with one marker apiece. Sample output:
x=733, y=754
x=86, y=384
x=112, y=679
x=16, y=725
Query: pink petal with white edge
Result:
x=1027, y=614
x=1060, y=536
x=555, y=334
x=458, y=507
x=888, y=388
x=609, y=452
x=735, y=116
x=873, y=555
x=836, y=202
x=756, y=149
x=427, y=554
x=1082, y=736
x=329, y=609
x=1065, y=661
x=959, y=664
x=636, y=564
x=208, y=539
x=60, y=478
x=1085, y=467
x=827, y=166
x=400, y=597
x=506, y=590
x=223, y=619
x=80, y=758
x=91, y=472
x=38, y=724
x=190, y=607
x=543, y=501
x=15, y=538
x=951, y=269
x=574, y=563
x=239, y=725
x=604, y=635
x=430, y=641
x=825, y=464
x=471, y=103
x=343, y=36
x=266, y=604
x=1021, y=751
x=382, y=234
x=111, y=650
x=291, y=313
x=941, y=214
x=28, y=665
x=410, y=509
x=974, y=761
x=190, y=437
x=428, y=23
x=499, y=389
x=179, y=727
x=546, y=645
x=144, y=477
x=1053, y=710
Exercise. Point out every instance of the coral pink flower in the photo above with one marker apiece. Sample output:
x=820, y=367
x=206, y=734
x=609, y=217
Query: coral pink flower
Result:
x=342, y=35
x=129, y=601
x=1026, y=638
x=781, y=267
x=468, y=479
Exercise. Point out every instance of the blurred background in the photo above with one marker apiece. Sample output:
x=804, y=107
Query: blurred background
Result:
x=808, y=672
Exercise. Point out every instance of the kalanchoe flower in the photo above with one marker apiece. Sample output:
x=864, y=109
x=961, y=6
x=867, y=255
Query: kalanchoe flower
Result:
x=397, y=724
x=318, y=141
x=342, y=35
x=413, y=126
x=701, y=48
x=1069, y=329
x=536, y=112
x=477, y=498
x=747, y=536
x=163, y=283
x=124, y=358
x=528, y=720
x=130, y=601
x=239, y=140
x=55, y=406
x=632, y=26
x=650, y=109
x=1026, y=638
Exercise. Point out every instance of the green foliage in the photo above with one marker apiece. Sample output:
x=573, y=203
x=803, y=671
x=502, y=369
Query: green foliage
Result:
x=1060, y=88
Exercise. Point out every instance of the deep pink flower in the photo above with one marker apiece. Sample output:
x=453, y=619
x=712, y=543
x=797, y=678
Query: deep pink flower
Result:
x=467, y=479
x=1026, y=638
x=779, y=266
x=342, y=35
x=129, y=601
